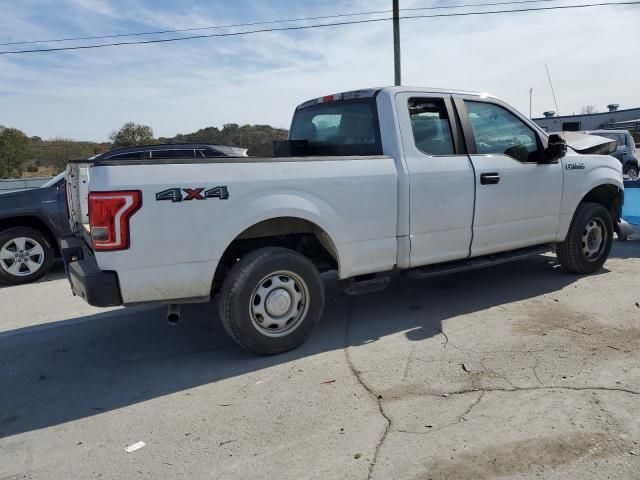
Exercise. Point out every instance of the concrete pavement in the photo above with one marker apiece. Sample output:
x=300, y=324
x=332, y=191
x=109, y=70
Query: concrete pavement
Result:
x=521, y=371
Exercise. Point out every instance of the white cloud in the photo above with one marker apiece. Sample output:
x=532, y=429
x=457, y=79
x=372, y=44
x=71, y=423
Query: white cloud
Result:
x=183, y=86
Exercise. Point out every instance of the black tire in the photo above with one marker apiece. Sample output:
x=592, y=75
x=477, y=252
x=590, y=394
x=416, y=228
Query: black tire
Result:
x=631, y=171
x=33, y=236
x=240, y=296
x=574, y=253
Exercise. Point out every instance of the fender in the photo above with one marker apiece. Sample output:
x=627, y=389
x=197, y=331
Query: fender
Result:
x=605, y=170
x=261, y=206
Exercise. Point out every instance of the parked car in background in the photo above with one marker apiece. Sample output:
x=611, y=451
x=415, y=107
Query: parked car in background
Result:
x=625, y=151
x=33, y=221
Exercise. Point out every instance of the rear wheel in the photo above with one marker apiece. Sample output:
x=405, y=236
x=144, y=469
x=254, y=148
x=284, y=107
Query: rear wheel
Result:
x=271, y=300
x=588, y=241
x=25, y=255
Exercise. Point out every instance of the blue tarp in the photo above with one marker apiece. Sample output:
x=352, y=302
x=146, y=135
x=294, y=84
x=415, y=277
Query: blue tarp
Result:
x=631, y=207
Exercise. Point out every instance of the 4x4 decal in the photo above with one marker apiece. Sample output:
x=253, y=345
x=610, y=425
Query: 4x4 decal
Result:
x=176, y=194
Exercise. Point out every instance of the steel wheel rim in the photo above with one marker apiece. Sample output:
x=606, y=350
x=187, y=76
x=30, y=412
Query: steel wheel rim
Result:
x=279, y=303
x=21, y=256
x=594, y=238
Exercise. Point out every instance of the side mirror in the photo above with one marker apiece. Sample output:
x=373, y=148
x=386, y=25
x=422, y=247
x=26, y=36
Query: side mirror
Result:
x=556, y=149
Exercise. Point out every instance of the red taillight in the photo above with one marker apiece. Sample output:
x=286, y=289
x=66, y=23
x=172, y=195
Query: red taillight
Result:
x=109, y=214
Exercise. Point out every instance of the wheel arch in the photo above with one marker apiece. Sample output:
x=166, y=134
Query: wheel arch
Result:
x=35, y=222
x=295, y=232
x=609, y=196
x=632, y=162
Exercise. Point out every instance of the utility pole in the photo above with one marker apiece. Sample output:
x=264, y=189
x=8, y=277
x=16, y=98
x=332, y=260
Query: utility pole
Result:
x=530, y=101
x=396, y=42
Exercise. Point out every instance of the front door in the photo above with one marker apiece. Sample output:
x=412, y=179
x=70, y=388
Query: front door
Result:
x=517, y=197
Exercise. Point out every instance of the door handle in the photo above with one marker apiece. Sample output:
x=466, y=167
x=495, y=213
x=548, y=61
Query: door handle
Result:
x=489, y=178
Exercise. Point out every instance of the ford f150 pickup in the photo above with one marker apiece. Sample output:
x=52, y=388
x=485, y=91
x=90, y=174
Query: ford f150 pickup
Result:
x=370, y=182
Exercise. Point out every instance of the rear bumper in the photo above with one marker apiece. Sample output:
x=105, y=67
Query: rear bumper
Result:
x=98, y=288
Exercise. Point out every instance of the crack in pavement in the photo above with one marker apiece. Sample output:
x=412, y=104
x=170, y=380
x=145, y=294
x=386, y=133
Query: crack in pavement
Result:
x=569, y=329
x=519, y=389
x=376, y=398
x=458, y=420
x=483, y=392
x=535, y=366
x=408, y=362
x=446, y=338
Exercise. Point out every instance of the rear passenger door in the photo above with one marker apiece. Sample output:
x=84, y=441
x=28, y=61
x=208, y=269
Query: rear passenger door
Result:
x=441, y=181
x=517, y=197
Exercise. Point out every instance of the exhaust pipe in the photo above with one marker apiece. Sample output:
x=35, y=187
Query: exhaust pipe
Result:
x=173, y=314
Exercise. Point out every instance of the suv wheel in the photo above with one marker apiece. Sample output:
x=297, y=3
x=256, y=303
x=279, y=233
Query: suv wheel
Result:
x=271, y=300
x=25, y=255
x=631, y=171
x=588, y=241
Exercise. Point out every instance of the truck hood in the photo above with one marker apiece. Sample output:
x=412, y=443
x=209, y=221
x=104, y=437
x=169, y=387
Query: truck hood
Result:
x=589, y=144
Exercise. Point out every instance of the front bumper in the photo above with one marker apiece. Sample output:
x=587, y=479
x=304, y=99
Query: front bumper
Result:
x=98, y=288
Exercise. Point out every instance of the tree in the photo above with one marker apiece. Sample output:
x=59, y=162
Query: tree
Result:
x=589, y=109
x=132, y=135
x=14, y=149
x=56, y=152
x=258, y=139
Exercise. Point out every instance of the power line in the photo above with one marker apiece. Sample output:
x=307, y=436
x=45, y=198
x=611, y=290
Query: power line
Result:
x=308, y=27
x=270, y=22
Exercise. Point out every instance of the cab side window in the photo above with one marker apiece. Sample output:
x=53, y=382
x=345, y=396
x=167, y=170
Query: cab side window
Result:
x=498, y=131
x=167, y=154
x=431, y=126
x=206, y=153
x=125, y=156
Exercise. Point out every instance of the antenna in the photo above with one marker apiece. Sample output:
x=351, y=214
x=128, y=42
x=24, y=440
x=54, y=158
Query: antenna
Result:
x=552, y=91
x=530, y=100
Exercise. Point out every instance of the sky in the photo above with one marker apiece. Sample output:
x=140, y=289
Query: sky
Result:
x=180, y=87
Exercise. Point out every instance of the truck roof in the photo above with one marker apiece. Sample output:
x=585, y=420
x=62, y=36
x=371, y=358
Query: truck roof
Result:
x=223, y=150
x=373, y=92
x=162, y=146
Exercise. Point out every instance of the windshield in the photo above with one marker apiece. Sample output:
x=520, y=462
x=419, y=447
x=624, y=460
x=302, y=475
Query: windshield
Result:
x=54, y=180
x=612, y=136
x=348, y=127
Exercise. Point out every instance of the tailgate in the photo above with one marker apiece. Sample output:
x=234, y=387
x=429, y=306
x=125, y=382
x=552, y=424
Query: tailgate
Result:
x=78, y=195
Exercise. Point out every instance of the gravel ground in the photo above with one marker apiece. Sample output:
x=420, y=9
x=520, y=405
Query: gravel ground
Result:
x=521, y=371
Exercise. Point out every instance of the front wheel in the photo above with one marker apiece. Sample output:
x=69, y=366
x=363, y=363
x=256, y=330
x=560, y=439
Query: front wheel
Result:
x=589, y=240
x=271, y=300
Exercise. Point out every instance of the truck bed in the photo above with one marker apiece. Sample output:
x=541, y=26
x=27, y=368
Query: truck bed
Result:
x=350, y=201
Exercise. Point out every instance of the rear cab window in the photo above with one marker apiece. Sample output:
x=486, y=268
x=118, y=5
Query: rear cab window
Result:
x=430, y=126
x=338, y=127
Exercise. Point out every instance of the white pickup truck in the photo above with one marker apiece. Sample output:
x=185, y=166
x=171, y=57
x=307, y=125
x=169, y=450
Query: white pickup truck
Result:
x=370, y=182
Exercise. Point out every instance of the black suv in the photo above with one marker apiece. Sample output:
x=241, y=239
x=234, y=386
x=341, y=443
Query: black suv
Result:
x=33, y=221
